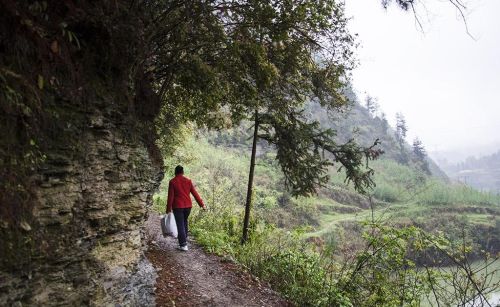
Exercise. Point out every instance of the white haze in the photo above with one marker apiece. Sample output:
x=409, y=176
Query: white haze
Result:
x=446, y=83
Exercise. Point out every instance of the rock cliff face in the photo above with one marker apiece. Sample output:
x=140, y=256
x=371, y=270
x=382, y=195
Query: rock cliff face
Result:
x=78, y=165
x=78, y=162
x=92, y=199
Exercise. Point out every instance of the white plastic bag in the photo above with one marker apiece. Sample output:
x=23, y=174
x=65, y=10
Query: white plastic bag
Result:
x=168, y=226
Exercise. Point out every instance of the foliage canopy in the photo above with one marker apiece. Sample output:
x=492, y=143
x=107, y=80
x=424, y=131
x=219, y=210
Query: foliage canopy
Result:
x=217, y=63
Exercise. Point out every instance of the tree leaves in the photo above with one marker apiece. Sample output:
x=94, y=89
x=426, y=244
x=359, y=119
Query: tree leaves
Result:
x=305, y=152
x=216, y=60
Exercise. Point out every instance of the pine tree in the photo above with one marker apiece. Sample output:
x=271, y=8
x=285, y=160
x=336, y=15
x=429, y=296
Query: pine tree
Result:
x=371, y=105
x=420, y=155
x=283, y=69
x=401, y=130
x=418, y=149
x=385, y=123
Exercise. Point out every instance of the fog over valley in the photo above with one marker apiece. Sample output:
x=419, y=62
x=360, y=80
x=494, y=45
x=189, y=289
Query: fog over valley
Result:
x=442, y=80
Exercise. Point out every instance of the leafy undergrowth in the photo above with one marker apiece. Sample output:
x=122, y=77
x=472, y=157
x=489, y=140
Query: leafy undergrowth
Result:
x=383, y=271
x=276, y=256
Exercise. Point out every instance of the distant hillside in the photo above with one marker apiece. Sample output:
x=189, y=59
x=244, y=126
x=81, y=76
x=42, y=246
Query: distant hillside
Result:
x=358, y=123
x=481, y=173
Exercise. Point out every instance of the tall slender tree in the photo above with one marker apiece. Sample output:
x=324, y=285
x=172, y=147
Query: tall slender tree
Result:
x=300, y=51
x=371, y=104
x=385, y=123
x=420, y=155
x=248, y=203
x=401, y=130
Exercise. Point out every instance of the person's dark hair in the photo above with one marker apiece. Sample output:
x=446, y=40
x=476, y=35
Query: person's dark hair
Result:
x=179, y=170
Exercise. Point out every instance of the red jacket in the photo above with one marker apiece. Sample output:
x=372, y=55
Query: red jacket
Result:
x=179, y=189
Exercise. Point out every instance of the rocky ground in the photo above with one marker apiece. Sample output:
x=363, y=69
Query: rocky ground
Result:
x=195, y=278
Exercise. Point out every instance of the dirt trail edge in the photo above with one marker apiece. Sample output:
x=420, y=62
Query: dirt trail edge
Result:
x=195, y=278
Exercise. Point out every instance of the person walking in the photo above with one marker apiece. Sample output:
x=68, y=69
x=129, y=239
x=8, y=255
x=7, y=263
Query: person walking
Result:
x=179, y=200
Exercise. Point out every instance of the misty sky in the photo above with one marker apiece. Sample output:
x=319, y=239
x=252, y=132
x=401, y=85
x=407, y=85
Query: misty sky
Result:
x=445, y=83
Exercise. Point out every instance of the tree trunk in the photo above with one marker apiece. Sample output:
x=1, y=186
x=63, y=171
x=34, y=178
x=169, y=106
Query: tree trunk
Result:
x=250, y=180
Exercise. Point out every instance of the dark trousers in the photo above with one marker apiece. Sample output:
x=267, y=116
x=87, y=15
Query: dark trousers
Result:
x=181, y=219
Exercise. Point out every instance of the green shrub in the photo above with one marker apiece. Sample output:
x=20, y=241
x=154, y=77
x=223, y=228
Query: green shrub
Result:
x=159, y=202
x=387, y=193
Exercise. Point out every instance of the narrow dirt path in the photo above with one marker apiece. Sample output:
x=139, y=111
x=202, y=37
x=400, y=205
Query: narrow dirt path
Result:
x=195, y=278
